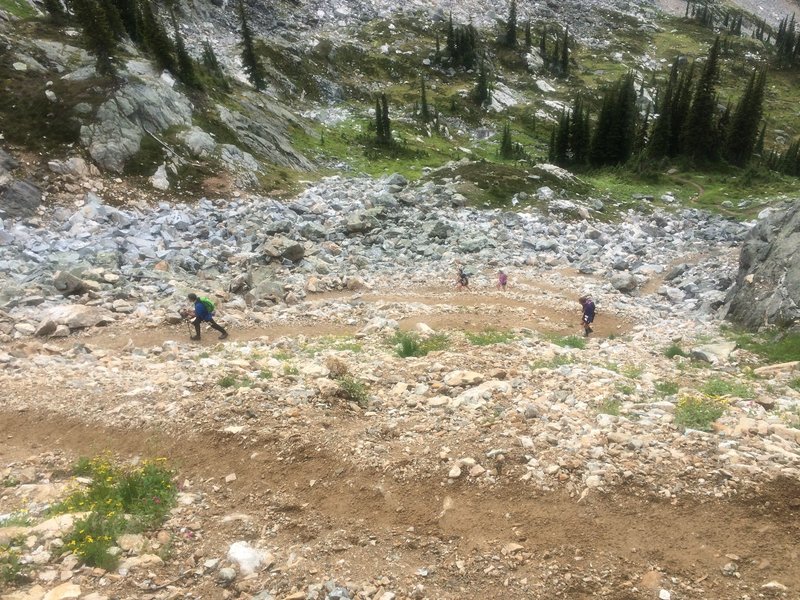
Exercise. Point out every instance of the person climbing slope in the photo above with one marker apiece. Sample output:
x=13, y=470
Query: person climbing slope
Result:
x=588, y=314
x=204, y=312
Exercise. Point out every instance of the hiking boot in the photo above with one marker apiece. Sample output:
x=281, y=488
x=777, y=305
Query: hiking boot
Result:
x=195, y=337
x=224, y=335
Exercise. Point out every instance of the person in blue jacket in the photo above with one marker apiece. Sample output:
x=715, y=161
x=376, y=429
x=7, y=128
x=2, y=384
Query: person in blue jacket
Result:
x=202, y=314
x=588, y=314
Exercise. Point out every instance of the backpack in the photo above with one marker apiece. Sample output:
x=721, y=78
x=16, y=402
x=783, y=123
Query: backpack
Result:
x=208, y=304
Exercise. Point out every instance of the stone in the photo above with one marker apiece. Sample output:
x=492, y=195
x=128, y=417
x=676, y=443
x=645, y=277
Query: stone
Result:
x=135, y=562
x=774, y=586
x=226, y=574
x=68, y=284
x=248, y=559
x=159, y=179
x=462, y=378
x=130, y=542
x=713, y=353
x=624, y=282
x=19, y=199
x=78, y=316
x=63, y=591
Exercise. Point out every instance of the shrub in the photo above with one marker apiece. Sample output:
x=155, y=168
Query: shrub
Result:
x=632, y=371
x=265, y=374
x=409, y=344
x=10, y=566
x=673, y=350
x=354, y=390
x=698, y=412
x=666, y=388
x=610, y=407
x=227, y=381
x=568, y=341
x=145, y=493
x=489, y=337
x=795, y=384
x=722, y=387
x=775, y=347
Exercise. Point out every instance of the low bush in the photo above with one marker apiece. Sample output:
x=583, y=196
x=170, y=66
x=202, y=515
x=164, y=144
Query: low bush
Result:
x=408, y=344
x=489, y=337
x=699, y=412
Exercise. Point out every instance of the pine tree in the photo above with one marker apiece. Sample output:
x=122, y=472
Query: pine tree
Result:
x=561, y=152
x=564, y=62
x=506, y=144
x=56, y=11
x=424, y=110
x=213, y=68
x=579, y=133
x=97, y=32
x=510, y=40
x=681, y=103
x=437, y=57
x=615, y=130
x=481, y=94
x=113, y=18
x=699, y=138
x=551, y=149
x=451, y=37
x=759, y=149
x=742, y=134
x=379, y=129
x=528, y=38
x=250, y=61
x=155, y=38
x=543, y=44
x=659, y=140
x=385, y=122
x=128, y=12
x=186, y=71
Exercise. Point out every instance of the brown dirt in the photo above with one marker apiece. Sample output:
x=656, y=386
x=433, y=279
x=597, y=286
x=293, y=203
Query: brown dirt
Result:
x=627, y=535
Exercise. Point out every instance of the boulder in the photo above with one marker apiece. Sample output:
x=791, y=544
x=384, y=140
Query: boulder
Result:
x=767, y=287
x=7, y=163
x=624, y=282
x=19, y=199
x=78, y=316
x=68, y=284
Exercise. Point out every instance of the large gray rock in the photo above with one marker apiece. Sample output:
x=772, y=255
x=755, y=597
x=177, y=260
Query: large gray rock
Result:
x=767, y=288
x=19, y=199
x=7, y=163
x=123, y=121
x=77, y=316
x=624, y=282
x=68, y=284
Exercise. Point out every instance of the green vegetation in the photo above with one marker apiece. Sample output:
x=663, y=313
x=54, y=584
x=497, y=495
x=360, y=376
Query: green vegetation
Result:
x=119, y=500
x=773, y=346
x=795, y=384
x=18, y=8
x=666, y=388
x=282, y=355
x=699, y=412
x=674, y=350
x=723, y=387
x=632, y=371
x=290, y=370
x=16, y=519
x=408, y=344
x=553, y=363
x=11, y=569
x=567, y=341
x=265, y=374
x=489, y=337
x=232, y=381
x=353, y=390
x=627, y=389
x=331, y=342
x=611, y=406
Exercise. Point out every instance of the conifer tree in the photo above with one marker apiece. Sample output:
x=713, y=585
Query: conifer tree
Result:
x=451, y=37
x=379, y=129
x=506, y=144
x=659, y=146
x=743, y=131
x=579, y=133
x=213, y=68
x=385, y=122
x=56, y=11
x=682, y=101
x=250, y=61
x=561, y=149
x=113, y=18
x=543, y=44
x=97, y=32
x=481, y=94
x=759, y=149
x=155, y=38
x=528, y=38
x=186, y=71
x=699, y=131
x=615, y=131
x=510, y=40
x=128, y=12
x=564, y=61
x=424, y=111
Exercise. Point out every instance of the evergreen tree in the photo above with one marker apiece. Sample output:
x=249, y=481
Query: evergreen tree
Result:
x=743, y=131
x=543, y=44
x=659, y=140
x=615, y=131
x=213, y=68
x=481, y=94
x=510, y=39
x=56, y=11
x=97, y=32
x=186, y=71
x=551, y=151
x=385, y=122
x=437, y=57
x=759, y=149
x=250, y=61
x=379, y=128
x=451, y=37
x=699, y=138
x=506, y=144
x=155, y=38
x=528, y=38
x=424, y=110
x=579, y=133
x=681, y=103
x=128, y=12
x=564, y=62
x=561, y=152
x=113, y=18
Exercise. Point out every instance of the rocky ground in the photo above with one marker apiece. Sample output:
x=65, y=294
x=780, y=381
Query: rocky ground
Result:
x=519, y=469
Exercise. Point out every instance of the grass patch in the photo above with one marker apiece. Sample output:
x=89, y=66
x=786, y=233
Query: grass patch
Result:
x=340, y=344
x=119, y=500
x=290, y=370
x=17, y=519
x=627, y=389
x=407, y=344
x=265, y=374
x=489, y=337
x=11, y=569
x=773, y=347
x=632, y=371
x=699, y=412
x=666, y=388
x=553, y=363
x=18, y=8
x=610, y=406
x=568, y=341
x=674, y=350
x=722, y=387
x=795, y=384
x=282, y=355
x=353, y=390
x=10, y=481
x=231, y=381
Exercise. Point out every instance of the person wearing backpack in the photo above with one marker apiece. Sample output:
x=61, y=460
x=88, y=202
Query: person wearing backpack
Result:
x=204, y=312
x=588, y=314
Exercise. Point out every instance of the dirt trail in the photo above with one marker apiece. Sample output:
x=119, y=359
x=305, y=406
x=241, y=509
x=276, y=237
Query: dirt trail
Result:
x=627, y=532
x=472, y=310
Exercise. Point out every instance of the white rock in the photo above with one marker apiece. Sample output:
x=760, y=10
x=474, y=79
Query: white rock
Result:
x=248, y=558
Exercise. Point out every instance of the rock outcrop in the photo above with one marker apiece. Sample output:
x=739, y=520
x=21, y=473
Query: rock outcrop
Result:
x=767, y=288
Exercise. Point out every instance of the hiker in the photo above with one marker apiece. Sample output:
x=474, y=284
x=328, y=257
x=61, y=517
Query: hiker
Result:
x=204, y=311
x=588, y=314
x=462, y=281
x=502, y=281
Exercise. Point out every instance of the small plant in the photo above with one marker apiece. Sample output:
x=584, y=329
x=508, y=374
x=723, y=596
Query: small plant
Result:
x=722, y=387
x=118, y=500
x=289, y=370
x=16, y=519
x=283, y=355
x=265, y=374
x=553, y=363
x=626, y=388
x=632, y=371
x=774, y=347
x=10, y=566
x=568, y=341
x=227, y=381
x=354, y=390
x=10, y=481
x=489, y=337
x=674, y=350
x=795, y=384
x=610, y=406
x=699, y=412
x=666, y=388
x=409, y=344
